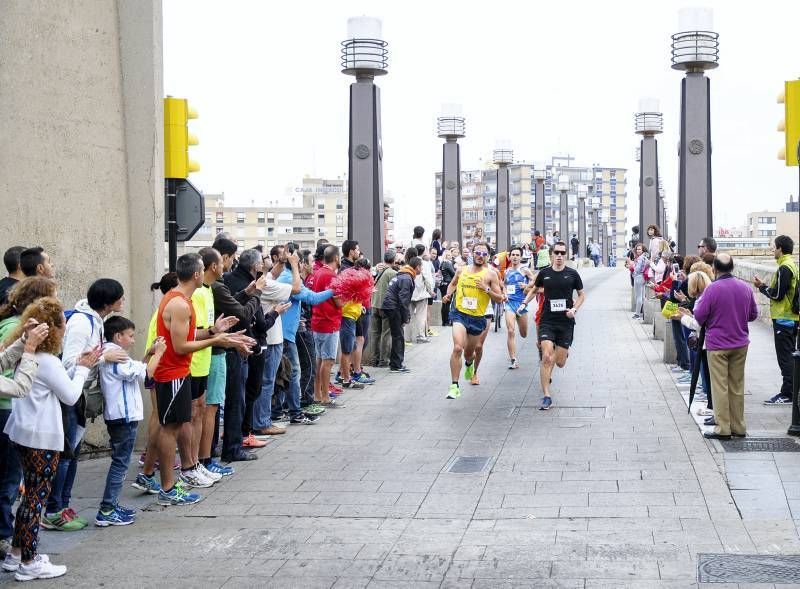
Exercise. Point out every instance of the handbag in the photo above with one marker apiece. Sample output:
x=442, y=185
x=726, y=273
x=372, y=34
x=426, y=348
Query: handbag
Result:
x=670, y=308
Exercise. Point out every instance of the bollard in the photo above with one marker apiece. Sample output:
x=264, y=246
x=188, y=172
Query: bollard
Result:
x=659, y=328
x=794, y=429
x=652, y=309
x=436, y=313
x=670, y=353
x=633, y=301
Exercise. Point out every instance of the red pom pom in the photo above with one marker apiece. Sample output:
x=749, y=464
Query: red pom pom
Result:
x=354, y=285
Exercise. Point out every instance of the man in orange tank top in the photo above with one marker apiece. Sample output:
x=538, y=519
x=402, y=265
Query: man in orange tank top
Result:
x=176, y=324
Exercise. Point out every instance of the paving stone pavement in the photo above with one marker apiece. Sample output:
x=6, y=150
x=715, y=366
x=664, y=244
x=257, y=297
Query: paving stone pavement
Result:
x=613, y=487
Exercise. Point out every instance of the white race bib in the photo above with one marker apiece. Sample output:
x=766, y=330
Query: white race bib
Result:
x=210, y=318
x=558, y=305
x=511, y=289
x=469, y=303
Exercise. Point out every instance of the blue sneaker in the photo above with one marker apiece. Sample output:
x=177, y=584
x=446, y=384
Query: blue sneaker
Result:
x=178, y=496
x=114, y=518
x=363, y=378
x=778, y=399
x=126, y=510
x=546, y=402
x=217, y=468
x=146, y=484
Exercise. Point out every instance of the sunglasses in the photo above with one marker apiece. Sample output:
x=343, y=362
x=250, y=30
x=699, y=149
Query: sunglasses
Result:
x=701, y=245
x=480, y=254
x=559, y=253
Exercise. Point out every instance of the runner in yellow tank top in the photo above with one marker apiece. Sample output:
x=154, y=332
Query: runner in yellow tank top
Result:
x=473, y=287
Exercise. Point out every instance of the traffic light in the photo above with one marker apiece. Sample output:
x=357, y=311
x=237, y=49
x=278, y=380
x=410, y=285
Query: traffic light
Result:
x=790, y=125
x=177, y=138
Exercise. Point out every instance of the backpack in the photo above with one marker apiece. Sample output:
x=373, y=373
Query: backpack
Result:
x=92, y=394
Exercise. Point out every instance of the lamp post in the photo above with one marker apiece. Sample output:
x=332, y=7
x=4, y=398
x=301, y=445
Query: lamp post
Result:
x=649, y=123
x=364, y=56
x=694, y=49
x=450, y=127
x=538, y=209
x=609, y=245
x=594, y=213
x=503, y=156
x=563, y=209
x=604, y=239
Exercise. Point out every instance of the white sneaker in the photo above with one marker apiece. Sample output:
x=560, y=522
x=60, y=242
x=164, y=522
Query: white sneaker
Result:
x=213, y=476
x=11, y=562
x=39, y=568
x=194, y=478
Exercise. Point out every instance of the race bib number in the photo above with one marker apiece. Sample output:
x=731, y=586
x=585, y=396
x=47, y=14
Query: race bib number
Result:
x=558, y=305
x=511, y=289
x=210, y=318
x=469, y=303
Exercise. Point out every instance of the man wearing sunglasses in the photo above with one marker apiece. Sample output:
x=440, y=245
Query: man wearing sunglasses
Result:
x=474, y=286
x=558, y=314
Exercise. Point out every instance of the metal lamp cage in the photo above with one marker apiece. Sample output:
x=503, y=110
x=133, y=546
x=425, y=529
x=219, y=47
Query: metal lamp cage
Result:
x=649, y=122
x=365, y=55
x=451, y=126
x=695, y=50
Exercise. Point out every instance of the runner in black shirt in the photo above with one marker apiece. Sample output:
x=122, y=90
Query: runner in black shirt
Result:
x=558, y=314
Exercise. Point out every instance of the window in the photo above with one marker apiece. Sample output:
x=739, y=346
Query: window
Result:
x=261, y=217
x=285, y=216
x=260, y=231
x=321, y=217
x=339, y=218
x=261, y=242
x=270, y=217
x=303, y=216
x=219, y=230
x=339, y=232
x=220, y=218
x=339, y=204
x=321, y=206
x=270, y=231
x=240, y=217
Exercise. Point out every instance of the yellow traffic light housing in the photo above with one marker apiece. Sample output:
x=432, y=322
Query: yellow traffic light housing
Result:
x=177, y=138
x=790, y=125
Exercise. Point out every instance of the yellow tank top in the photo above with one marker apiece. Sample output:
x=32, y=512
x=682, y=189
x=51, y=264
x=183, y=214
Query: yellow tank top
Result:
x=470, y=299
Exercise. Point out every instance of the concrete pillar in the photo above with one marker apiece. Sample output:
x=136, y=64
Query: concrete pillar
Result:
x=649, y=203
x=670, y=355
x=694, y=186
x=503, y=215
x=538, y=214
x=81, y=157
x=659, y=327
x=581, y=227
x=563, y=218
x=451, y=191
x=365, y=180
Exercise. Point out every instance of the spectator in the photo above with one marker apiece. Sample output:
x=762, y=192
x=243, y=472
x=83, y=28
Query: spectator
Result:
x=15, y=274
x=448, y=271
x=26, y=292
x=83, y=331
x=638, y=268
x=436, y=242
x=36, y=262
x=781, y=294
x=416, y=330
x=416, y=240
x=379, y=342
x=594, y=252
x=35, y=426
x=707, y=245
x=726, y=307
x=351, y=313
x=362, y=332
x=396, y=306
x=657, y=243
x=325, y=323
x=574, y=245
x=121, y=385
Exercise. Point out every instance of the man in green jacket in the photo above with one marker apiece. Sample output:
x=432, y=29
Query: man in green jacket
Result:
x=379, y=340
x=781, y=294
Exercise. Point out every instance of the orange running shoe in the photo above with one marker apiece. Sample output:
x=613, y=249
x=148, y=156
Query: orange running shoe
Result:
x=474, y=380
x=251, y=442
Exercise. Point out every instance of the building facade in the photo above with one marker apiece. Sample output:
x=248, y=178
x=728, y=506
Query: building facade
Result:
x=769, y=224
x=606, y=187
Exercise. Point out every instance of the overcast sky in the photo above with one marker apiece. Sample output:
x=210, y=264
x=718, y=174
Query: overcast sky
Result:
x=553, y=78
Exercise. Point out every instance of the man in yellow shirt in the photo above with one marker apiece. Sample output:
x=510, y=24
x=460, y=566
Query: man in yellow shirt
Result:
x=473, y=287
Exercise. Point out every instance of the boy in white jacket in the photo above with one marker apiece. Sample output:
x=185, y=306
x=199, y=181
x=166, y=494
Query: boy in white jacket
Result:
x=121, y=384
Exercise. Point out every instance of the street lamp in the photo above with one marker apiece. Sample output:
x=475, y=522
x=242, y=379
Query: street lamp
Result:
x=539, y=174
x=583, y=192
x=695, y=49
x=649, y=123
x=595, y=212
x=563, y=209
x=364, y=56
x=450, y=127
x=503, y=156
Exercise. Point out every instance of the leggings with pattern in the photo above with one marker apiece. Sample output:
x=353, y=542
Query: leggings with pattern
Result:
x=39, y=468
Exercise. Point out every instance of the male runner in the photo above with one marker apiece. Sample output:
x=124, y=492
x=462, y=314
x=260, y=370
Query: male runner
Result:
x=558, y=314
x=488, y=314
x=474, y=286
x=516, y=279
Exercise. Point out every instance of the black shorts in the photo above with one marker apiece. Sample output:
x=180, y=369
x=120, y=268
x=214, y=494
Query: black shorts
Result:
x=174, y=400
x=362, y=325
x=558, y=333
x=199, y=386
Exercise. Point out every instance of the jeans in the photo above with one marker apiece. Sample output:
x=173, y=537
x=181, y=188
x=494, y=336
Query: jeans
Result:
x=596, y=260
x=398, y=343
x=61, y=491
x=784, y=347
x=262, y=408
x=252, y=389
x=122, y=437
x=235, y=377
x=290, y=398
x=682, y=349
x=304, y=341
x=10, y=477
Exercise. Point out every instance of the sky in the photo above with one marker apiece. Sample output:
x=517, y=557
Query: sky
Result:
x=550, y=78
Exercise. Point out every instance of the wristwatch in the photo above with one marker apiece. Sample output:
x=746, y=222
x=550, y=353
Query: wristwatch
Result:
x=211, y=330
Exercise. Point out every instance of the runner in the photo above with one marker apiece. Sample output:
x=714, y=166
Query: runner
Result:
x=488, y=314
x=558, y=315
x=517, y=278
x=474, y=286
